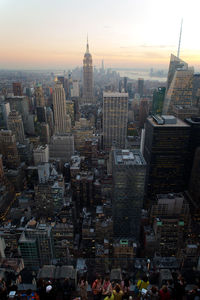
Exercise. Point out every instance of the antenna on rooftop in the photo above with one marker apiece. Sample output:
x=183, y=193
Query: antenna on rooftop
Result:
x=179, y=44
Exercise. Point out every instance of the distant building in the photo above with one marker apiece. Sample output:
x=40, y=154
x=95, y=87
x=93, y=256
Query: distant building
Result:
x=141, y=86
x=59, y=109
x=41, y=154
x=180, y=89
x=129, y=172
x=158, y=100
x=88, y=94
x=165, y=151
x=17, y=88
x=4, y=112
x=8, y=149
x=15, y=124
x=175, y=63
x=171, y=219
x=61, y=147
x=39, y=96
x=115, y=118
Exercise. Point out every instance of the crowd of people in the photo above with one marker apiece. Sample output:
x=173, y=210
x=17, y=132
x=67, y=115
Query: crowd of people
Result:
x=103, y=289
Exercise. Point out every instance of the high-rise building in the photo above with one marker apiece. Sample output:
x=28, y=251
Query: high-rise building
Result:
x=88, y=95
x=41, y=154
x=50, y=121
x=196, y=90
x=4, y=112
x=158, y=100
x=15, y=124
x=175, y=63
x=61, y=147
x=194, y=185
x=17, y=88
x=115, y=117
x=141, y=86
x=180, y=85
x=39, y=96
x=8, y=149
x=194, y=141
x=165, y=151
x=129, y=171
x=171, y=217
x=59, y=108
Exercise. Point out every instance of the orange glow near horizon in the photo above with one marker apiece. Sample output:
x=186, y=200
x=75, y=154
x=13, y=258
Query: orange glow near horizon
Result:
x=132, y=33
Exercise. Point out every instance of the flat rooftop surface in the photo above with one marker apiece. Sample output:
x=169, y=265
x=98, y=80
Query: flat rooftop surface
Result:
x=128, y=157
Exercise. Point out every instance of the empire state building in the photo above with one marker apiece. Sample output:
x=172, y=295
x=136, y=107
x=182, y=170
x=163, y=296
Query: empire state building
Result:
x=88, y=96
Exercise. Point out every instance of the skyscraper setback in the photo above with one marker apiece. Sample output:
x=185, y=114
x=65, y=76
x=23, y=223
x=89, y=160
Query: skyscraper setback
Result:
x=88, y=94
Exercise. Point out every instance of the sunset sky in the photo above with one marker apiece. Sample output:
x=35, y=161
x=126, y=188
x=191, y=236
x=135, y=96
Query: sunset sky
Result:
x=45, y=34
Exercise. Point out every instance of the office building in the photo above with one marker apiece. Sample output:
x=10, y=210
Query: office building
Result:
x=115, y=118
x=88, y=94
x=17, y=88
x=75, y=89
x=180, y=90
x=50, y=121
x=129, y=171
x=170, y=216
x=59, y=109
x=61, y=147
x=175, y=63
x=41, y=155
x=158, y=101
x=141, y=86
x=196, y=90
x=194, y=184
x=39, y=96
x=8, y=149
x=15, y=124
x=4, y=112
x=165, y=151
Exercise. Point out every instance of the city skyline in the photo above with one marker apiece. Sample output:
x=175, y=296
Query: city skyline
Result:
x=132, y=34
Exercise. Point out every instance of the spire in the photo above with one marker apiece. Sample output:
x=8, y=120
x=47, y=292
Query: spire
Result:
x=87, y=48
x=179, y=44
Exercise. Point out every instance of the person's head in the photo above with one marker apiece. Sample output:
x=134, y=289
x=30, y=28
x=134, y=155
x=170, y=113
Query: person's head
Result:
x=170, y=282
x=164, y=288
x=98, y=278
x=107, y=279
x=117, y=288
x=109, y=294
x=145, y=278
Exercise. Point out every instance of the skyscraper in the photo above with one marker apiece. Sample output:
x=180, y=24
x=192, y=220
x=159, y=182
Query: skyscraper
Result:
x=165, y=151
x=179, y=85
x=17, y=88
x=180, y=90
x=88, y=96
x=59, y=109
x=8, y=149
x=39, y=96
x=140, y=86
x=115, y=117
x=175, y=63
x=129, y=171
x=15, y=124
x=158, y=100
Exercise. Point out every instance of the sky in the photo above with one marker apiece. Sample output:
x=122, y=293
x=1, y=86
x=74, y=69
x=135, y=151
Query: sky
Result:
x=47, y=34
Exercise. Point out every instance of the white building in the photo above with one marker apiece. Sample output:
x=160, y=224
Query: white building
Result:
x=41, y=155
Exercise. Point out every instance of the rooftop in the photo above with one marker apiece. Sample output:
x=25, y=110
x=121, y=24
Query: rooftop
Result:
x=128, y=157
x=166, y=121
x=117, y=94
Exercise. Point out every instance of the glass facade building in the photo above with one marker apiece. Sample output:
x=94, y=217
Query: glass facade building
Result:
x=129, y=171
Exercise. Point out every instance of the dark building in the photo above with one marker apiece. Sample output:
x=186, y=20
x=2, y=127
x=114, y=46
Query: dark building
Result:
x=165, y=151
x=129, y=171
x=158, y=100
x=17, y=88
x=140, y=86
x=194, y=185
x=41, y=114
x=196, y=90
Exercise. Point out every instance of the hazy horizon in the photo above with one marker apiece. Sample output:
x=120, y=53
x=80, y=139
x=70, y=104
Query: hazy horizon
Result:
x=125, y=34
